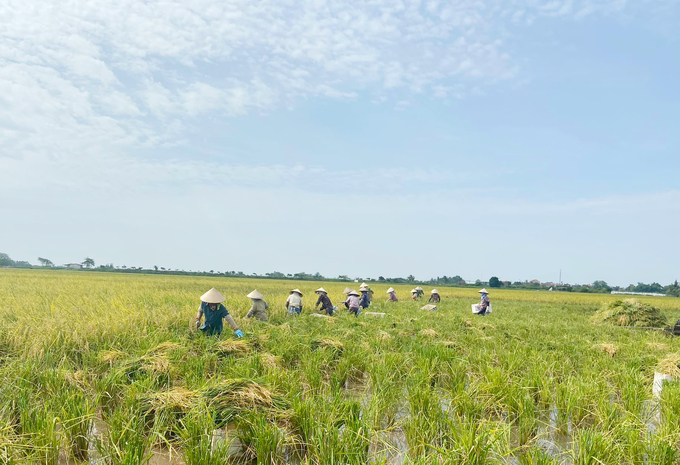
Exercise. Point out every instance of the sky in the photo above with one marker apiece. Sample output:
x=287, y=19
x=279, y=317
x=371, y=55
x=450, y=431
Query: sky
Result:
x=509, y=138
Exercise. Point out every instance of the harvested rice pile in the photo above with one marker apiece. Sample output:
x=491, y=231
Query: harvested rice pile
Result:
x=629, y=312
x=670, y=366
x=328, y=343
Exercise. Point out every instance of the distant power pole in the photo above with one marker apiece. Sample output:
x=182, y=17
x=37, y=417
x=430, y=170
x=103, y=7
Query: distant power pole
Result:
x=560, y=276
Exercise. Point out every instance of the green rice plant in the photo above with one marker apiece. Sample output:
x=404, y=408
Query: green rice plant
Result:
x=41, y=427
x=263, y=439
x=594, y=447
x=77, y=414
x=196, y=431
x=536, y=457
x=471, y=442
x=125, y=441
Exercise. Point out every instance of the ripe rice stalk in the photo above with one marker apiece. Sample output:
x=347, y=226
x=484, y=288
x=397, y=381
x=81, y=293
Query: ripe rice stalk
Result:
x=611, y=349
x=236, y=396
x=232, y=347
x=328, y=343
x=163, y=348
x=176, y=399
x=429, y=332
x=111, y=356
x=384, y=336
x=270, y=361
x=670, y=365
x=657, y=345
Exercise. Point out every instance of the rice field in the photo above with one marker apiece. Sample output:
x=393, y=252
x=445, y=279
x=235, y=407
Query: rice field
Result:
x=109, y=369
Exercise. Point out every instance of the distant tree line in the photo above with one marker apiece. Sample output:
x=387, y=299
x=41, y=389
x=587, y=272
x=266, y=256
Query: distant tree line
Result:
x=455, y=281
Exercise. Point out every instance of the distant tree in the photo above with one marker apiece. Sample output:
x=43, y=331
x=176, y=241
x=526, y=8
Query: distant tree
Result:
x=381, y=278
x=5, y=260
x=478, y=283
x=276, y=274
x=45, y=262
x=88, y=262
x=601, y=286
x=411, y=278
x=155, y=267
x=673, y=289
x=494, y=282
x=343, y=277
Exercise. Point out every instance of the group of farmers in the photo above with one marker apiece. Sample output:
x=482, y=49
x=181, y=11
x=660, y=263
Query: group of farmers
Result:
x=212, y=310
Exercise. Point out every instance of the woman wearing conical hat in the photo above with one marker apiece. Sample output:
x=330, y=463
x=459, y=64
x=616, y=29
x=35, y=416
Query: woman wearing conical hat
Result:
x=325, y=302
x=212, y=310
x=414, y=294
x=365, y=288
x=294, y=302
x=482, y=308
x=435, y=298
x=259, y=308
x=352, y=303
x=392, y=295
x=420, y=291
x=365, y=299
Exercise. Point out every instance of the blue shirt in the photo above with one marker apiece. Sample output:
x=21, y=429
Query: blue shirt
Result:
x=213, y=318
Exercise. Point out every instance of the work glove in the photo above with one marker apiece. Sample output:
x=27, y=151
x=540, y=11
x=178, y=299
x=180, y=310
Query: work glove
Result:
x=239, y=333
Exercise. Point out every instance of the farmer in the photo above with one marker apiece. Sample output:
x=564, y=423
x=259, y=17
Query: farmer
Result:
x=435, y=298
x=212, y=309
x=259, y=308
x=352, y=303
x=365, y=300
x=420, y=291
x=324, y=301
x=483, y=306
x=367, y=288
x=414, y=294
x=294, y=302
x=393, y=295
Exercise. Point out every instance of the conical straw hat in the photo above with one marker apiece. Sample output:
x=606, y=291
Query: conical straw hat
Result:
x=413, y=291
x=347, y=290
x=391, y=289
x=353, y=292
x=255, y=295
x=364, y=285
x=297, y=290
x=434, y=291
x=419, y=288
x=321, y=289
x=483, y=291
x=213, y=296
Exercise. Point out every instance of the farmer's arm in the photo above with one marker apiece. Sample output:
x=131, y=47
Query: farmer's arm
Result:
x=231, y=322
x=199, y=315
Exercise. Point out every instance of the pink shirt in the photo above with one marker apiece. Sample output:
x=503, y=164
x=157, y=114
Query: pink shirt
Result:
x=353, y=301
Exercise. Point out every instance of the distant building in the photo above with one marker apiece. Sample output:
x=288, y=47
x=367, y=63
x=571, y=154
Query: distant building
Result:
x=74, y=266
x=534, y=281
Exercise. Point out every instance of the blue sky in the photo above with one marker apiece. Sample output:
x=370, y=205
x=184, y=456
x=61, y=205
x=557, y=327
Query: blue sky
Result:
x=509, y=138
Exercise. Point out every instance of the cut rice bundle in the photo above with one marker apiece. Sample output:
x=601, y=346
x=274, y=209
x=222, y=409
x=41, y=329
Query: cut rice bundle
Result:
x=629, y=312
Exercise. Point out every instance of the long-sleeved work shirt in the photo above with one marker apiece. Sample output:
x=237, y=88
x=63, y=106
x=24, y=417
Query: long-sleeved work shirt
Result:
x=393, y=296
x=259, y=310
x=435, y=298
x=213, y=318
x=325, y=302
x=352, y=302
x=294, y=300
x=484, y=304
x=365, y=300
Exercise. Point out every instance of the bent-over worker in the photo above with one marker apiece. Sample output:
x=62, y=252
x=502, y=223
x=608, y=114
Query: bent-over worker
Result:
x=259, y=308
x=325, y=302
x=214, y=312
x=294, y=302
x=392, y=295
x=435, y=298
x=352, y=303
x=365, y=300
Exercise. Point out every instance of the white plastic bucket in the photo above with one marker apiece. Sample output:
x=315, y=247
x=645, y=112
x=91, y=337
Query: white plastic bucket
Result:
x=659, y=378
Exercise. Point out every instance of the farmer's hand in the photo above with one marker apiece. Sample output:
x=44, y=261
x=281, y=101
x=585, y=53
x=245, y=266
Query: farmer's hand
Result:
x=198, y=323
x=239, y=333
